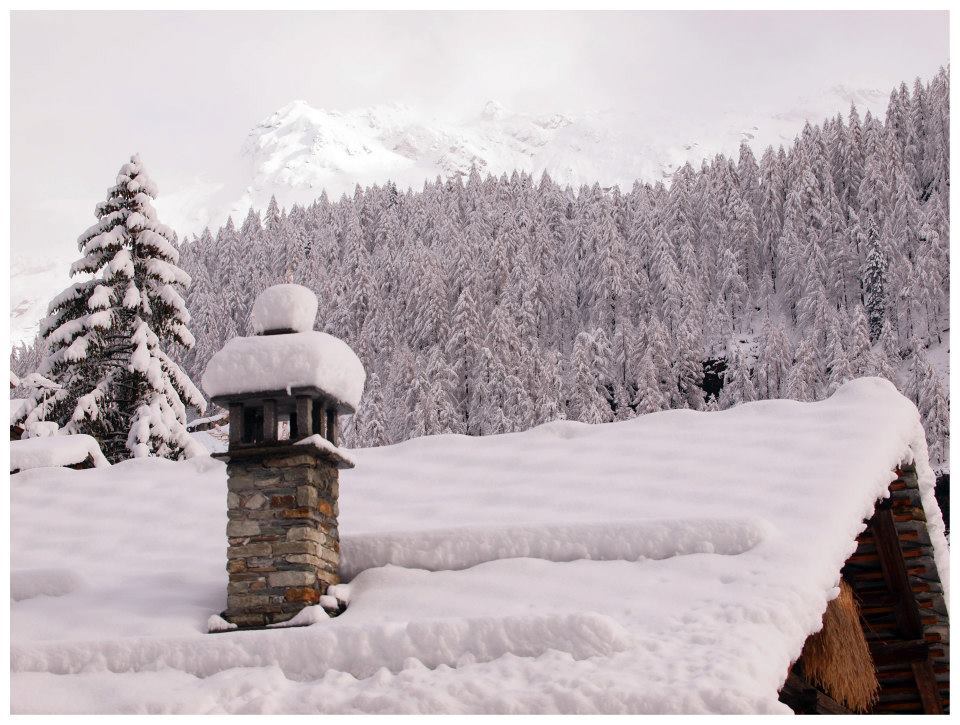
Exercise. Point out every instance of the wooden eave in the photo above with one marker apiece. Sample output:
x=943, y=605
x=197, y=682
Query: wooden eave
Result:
x=904, y=617
x=257, y=397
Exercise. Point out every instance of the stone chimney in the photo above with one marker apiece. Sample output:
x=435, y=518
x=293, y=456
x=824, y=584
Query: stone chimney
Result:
x=285, y=388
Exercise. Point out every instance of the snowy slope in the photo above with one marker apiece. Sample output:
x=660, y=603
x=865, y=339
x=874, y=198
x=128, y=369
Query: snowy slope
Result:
x=300, y=151
x=643, y=566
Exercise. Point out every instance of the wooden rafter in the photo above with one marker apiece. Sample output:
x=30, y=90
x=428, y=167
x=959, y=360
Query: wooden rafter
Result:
x=891, y=653
x=895, y=573
x=906, y=612
x=803, y=698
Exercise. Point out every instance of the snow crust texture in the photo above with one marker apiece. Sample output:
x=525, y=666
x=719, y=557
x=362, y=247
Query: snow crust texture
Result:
x=673, y=563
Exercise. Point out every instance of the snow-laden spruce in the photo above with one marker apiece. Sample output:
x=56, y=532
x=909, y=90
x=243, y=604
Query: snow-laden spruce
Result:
x=671, y=563
x=107, y=335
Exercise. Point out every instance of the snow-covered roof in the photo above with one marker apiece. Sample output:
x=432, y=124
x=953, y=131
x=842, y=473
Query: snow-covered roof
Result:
x=286, y=307
x=55, y=450
x=287, y=362
x=676, y=562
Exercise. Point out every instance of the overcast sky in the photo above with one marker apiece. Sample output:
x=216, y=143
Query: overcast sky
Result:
x=184, y=88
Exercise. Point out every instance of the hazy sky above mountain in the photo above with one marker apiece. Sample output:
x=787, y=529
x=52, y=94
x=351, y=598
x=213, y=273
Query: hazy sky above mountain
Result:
x=184, y=88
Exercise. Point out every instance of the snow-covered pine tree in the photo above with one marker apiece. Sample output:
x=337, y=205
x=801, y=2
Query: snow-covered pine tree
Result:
x=688, y=364
x=586, y=403
x=805, y=381
x=107, y=334
x=24, y=359
x=878, y=365
x=888, y=341
x=916, y=371
x=370, y=423
x=774, y=360
x=656, y=342
x=621, y=372
x=859, y=345
x=463, y=353
x=935, y=414
x=837, y=359
x=550, y=405
x=875, y=284
x=738, y=385
x=648, y=398
x=431, y=410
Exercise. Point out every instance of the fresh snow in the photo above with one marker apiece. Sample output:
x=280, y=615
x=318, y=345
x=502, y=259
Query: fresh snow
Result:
x=283, y=362
x=328, y=601
x=216, y=623
x=324, y=445
x=290, y=307
x=221, y=418
x=304, y=618
x=54, y=450
x=644, y=566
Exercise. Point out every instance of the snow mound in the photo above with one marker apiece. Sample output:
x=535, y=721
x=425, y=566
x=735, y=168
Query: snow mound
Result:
x=286, y=307
x=318, y=441
x=54, y=450
x=306, y=654
x=30, y=583
x=285, y=362
x=647, y=566
x=453, y=549
x=216, y=623
x=304, y=618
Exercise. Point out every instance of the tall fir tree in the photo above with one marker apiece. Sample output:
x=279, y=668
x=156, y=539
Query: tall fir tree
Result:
x=875, y=284
x=738, y=384
x=108, y=335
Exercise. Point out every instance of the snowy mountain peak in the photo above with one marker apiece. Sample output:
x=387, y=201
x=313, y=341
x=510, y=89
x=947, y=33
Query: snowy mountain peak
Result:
x=299, y=150
x=286, y=114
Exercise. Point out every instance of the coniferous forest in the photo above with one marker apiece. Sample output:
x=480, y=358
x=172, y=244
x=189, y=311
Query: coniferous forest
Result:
x=487, y=305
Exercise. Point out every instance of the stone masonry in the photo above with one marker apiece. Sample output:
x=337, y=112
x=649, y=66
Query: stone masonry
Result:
x=284, y=547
